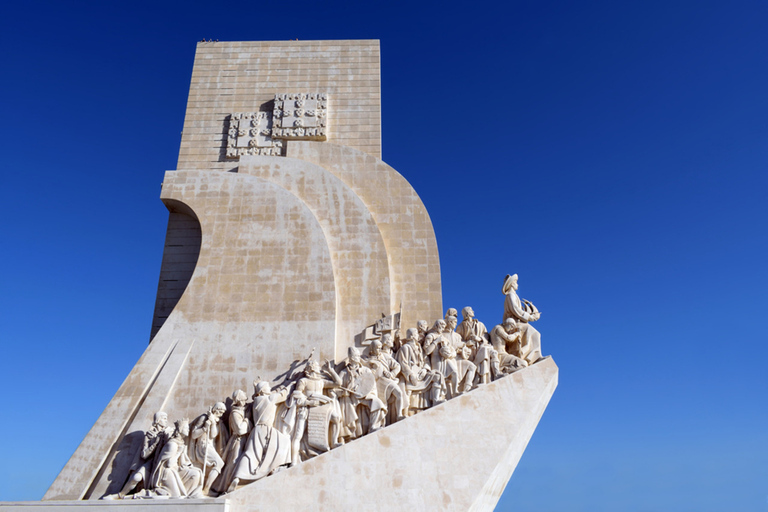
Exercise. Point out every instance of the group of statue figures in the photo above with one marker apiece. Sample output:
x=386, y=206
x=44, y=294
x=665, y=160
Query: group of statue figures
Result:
x=328, y=405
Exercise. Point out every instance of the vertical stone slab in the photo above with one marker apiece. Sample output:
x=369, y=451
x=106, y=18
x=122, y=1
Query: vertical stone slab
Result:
x=358, y=252
x=402, y=219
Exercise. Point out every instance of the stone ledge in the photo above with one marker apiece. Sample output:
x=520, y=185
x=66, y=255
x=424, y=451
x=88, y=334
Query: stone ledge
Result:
x=170, y=505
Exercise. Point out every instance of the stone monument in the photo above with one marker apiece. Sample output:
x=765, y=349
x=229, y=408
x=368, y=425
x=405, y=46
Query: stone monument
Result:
x=299, y=265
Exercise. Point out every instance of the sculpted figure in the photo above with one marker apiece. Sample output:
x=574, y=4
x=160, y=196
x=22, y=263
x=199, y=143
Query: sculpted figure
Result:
x=423, y=387
x=466, y=368
x=308, y=393
x=174, y=475
x=530, y=344
x=207, y=440
x=505, y=339
x=387, y=344
x=431, y=339
x=487, y=362
x=267, y=449
x=386, y=369
x=358, y=387
x=440, y=347
x=239, y=427
x=422, y=328
x=144, y=461
x=443, y=362
x=471, y=330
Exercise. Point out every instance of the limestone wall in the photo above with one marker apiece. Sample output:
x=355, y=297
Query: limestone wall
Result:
x=244, y=76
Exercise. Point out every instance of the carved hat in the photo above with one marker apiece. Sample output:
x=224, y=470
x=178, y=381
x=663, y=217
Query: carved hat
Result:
x=239, y=396
x=353, y=354
x=508, y=283
x=262, y=387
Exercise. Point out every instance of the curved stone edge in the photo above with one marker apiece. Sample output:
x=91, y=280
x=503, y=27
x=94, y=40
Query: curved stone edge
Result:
x=147, y=387
x=400, y=215
x=456, y=456
x=358, y=252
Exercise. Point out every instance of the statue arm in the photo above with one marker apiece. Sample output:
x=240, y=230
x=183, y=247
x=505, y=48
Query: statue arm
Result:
x=198, y=431
x=394, y=368
x=509, y=338
x=335, y=376
x=239, y=424
x=514, y=308
x=151, y=440
x=279, y=397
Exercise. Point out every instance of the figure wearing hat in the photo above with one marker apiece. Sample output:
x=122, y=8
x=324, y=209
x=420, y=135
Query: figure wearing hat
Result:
x=530, y=339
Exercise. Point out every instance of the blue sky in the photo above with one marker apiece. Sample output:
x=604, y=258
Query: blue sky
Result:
x=613, y=154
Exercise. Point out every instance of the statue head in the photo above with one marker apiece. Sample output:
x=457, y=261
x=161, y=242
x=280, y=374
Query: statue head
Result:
x=312, y=368
x=239, y=397
x=218, y=410
x=451, y=323
x=182, y=426
x=262, y=388
x=510, y=283
x=439, y=326
x=375, y=347
x=161, y=419
x=451, y=312
x=386, y=342
x=467, y=313
x=353, y=355
x=510, y=325
x=422, y=326
x=412, y=334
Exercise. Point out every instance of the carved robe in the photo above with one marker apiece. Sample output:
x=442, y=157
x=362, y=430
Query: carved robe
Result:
x=466, y=368
x=351, y=425
x=239, y=426
x=417, y=376
x=530, y=344
x=206, y=445
x=388, y=388
x=503, y=343
x=174, y=475
x=146, y=458
x=469, y=329
x=267, y=448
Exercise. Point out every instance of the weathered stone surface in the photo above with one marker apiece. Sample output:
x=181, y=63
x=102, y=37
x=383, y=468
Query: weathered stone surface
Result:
x=402, y=219
x=270, y=256
x=203, y=505
x=455, y=456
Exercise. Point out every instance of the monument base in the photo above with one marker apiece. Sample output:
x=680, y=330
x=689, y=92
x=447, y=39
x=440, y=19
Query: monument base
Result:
x=455, y=456
x=202, y=505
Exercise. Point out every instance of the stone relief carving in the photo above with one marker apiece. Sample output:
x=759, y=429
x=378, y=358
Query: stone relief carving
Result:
x=250, y=133
x=300, y=116
x=326, y=406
